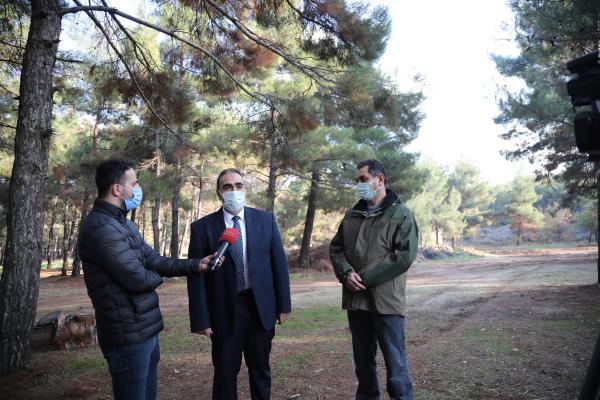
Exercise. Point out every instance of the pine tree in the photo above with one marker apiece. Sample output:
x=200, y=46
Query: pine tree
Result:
x=475, y=193
x=525, y=218
x=451, y=219
x=539, y=119
x=331, y=30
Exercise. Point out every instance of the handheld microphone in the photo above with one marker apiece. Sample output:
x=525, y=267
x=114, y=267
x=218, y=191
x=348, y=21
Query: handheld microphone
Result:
x=228, y=237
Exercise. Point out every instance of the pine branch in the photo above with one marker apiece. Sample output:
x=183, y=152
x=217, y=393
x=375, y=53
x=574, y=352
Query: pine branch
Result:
x=539, y=113
x=9, y=61
x=131, y=74
x=110, y=10
x=320, y=24
x=136, y=46
x=16, y=46
x=70, y=60
x=311, y=72
x=7, y=90
x=2, y=124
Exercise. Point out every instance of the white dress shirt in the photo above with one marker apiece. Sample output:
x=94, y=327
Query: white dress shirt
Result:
x=229, y=224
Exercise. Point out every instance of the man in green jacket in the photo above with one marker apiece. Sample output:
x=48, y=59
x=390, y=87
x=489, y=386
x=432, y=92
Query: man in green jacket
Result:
x=375, y=245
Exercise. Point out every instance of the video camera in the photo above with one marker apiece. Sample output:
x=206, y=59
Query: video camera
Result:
x=585, y=91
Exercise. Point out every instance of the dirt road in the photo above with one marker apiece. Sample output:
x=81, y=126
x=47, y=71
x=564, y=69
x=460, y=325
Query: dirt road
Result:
x=512, y=326
x=441, y=285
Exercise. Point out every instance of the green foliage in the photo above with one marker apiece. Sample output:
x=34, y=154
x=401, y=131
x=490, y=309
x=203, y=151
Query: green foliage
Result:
x=551, y=193
x=363, y=35
x=437, y=207
x=557, y=225
x=501, y=194
x=451, y=219
x=539, y=117
x=475, y=193
x=587, y=218
x=427, y=203
x=526, y=219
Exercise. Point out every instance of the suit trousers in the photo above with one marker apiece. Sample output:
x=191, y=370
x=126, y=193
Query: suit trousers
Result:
x=254, y=342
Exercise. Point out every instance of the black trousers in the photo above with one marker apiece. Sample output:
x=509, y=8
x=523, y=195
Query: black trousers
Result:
x=250, y=338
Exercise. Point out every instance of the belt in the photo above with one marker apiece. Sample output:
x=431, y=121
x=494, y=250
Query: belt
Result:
x=245, y=293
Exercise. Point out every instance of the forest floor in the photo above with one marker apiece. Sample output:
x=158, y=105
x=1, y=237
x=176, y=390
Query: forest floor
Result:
x=519, y=324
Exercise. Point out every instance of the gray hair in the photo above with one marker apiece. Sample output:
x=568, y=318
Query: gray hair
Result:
x=375, y=167
x=227, y=171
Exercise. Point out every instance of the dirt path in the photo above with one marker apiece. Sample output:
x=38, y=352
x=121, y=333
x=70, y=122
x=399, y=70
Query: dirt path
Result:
x=430, y=283
x=512, y=326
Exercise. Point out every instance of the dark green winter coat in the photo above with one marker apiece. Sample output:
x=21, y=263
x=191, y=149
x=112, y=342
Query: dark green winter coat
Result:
x=380, y=245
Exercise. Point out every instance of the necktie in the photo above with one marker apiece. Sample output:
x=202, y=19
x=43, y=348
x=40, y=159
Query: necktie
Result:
x=238, y=257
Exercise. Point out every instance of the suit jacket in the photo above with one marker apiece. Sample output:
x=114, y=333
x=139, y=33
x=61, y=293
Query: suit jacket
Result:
x=211, y=295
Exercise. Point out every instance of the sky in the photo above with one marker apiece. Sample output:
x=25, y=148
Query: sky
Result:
x=449, y=44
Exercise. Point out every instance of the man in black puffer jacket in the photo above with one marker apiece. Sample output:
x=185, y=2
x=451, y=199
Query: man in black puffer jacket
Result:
x=121, y=274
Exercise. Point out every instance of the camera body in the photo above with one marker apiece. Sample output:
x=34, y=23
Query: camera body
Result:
x=584, y=90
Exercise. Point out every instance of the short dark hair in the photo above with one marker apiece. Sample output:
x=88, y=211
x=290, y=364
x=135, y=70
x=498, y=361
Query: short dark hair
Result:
x=227, y=171
x=110, y=172
x=375, y=167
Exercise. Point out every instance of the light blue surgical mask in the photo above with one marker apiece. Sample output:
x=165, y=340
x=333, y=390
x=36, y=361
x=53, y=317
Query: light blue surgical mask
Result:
x=364, y=191
x=234, y=201
x=136, y=198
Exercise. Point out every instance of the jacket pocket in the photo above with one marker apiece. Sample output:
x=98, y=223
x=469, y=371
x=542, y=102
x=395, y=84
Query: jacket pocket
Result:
x=144, y=302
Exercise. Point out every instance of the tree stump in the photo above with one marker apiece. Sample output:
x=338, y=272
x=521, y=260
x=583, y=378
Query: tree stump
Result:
x=76, y=331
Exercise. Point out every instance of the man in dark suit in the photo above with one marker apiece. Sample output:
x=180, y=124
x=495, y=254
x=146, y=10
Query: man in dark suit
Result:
x=238, y=304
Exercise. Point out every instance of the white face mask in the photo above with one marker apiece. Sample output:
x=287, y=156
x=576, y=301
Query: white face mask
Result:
x=364, y=191
x=234, y=201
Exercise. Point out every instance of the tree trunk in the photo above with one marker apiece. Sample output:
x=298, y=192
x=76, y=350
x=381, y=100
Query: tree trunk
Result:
x=163, y=245
x=156, y=209
x=65, y=244
x=55, y=252
x=310, y=219
x=185, y=225
x=175, y=213
x=49, y=248
x=76, y=269
x=84, y=208
x=96, y=129
x=144, y=222
x=198, y=210
x=156, y=224
x=19, y=286
x=519, y=232
x=437, y=233
x=271, y=190
x=72, y=238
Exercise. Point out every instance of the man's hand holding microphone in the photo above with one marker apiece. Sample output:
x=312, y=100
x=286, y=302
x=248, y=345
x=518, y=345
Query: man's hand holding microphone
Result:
x=215, y=260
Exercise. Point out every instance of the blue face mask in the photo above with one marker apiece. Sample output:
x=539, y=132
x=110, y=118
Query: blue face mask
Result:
x=364, y=191
x=135, y=200
x=234, y=201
